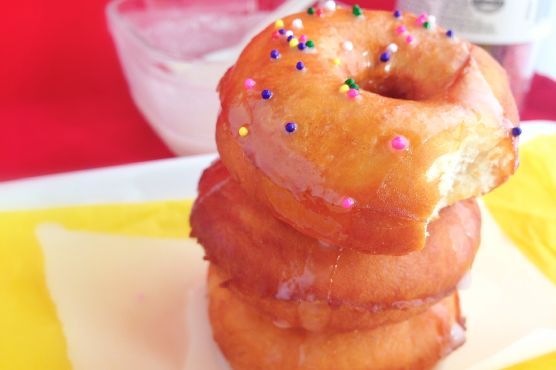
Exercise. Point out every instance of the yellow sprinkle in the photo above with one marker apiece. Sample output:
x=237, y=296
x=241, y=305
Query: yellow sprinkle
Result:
x=294, y=42
x=279, y=23
x=336, y=61
x=344, y=88
x=243, y=131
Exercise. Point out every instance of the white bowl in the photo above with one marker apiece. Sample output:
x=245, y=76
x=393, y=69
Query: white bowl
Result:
x=161, y=45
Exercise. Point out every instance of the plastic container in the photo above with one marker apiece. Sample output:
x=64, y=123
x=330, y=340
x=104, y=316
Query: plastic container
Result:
x=161, y=46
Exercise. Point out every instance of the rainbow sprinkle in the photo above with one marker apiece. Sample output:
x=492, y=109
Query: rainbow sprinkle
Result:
x=392, y=48
x=336, y=61
x=357, y=11
x=401, y=29
x=294, y=42
x=427, y=21
x=249, y=83
x=399, y=143
x=290, y=127
x=351, y=83
x=279, y=23
x=347, y=45
x=243, y=131
x=311, y=11
x=348, y=202
x=422, y=18
x=310, y=44
x=303, y=38
x=353, y=93
x=344, y=88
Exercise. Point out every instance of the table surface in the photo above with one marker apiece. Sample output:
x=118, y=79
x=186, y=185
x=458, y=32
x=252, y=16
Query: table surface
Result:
x=502, y=289
x=65, y=105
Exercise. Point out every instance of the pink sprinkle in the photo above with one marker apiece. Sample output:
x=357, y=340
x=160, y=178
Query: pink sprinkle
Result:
x=320, y=12
x=303, y=38
x=401, y=29
x=399, y=143
x=275, y=35
x=353, y=93
x=348, y=202
x=249, y=83
x=422, y=18
x=409, y=39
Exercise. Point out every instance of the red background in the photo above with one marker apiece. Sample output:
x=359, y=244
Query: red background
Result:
x=64, y=104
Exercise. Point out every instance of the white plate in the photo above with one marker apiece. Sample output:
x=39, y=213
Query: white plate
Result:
x=510, y=307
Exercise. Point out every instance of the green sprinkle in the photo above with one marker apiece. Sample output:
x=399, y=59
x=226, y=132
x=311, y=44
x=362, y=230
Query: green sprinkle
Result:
x=357, y=10
x=427, y=25
x=310, y=44
x=311, y=11
x=351, y=83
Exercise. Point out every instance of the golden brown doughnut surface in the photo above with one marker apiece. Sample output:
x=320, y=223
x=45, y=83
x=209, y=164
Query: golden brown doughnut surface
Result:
x=251, y=341
x=301, y=282
x=337, y=177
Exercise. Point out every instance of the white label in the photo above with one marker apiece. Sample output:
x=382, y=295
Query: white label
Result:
x=488, y=21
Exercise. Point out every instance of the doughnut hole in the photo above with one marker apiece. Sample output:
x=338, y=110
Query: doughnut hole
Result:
x=392, y=86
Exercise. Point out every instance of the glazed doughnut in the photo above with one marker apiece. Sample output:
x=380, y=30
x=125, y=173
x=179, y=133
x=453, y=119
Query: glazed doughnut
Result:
x=299, y=282
x=251, y=341
x=361, y=128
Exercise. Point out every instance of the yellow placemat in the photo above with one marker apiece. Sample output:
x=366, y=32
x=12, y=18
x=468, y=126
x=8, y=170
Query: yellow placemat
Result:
x=31, y=336
x=525, y=207
x=545, y=362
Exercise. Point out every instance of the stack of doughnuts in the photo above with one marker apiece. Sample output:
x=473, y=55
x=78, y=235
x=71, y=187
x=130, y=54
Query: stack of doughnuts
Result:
x=341, y=215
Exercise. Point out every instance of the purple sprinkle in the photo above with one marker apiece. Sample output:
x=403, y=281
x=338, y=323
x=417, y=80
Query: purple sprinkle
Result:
x=300, y=66
x=282, y=31
x=275, y=54
x=397, y=13
x=450, y=33
x=301, y=46
x=516, y=131
x=266, y=94
x=291, y=127
x=384, y=57
x=289, y=38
